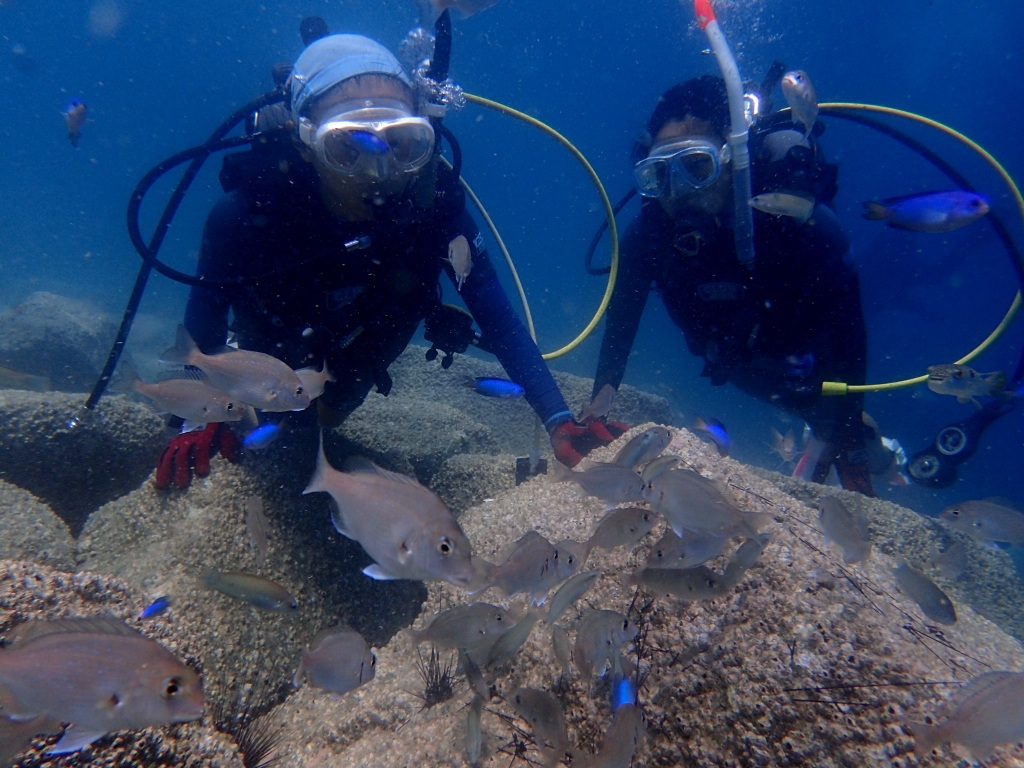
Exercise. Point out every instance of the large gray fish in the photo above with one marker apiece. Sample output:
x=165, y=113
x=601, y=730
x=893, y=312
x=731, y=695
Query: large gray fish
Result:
x=988, y=520
x=965, y=383
x=686, y=551
x=187, y=399
x=612, y=483
x=252, y=589
x=474, y=731
x=990, y=713
x=622, y=740
x=259, y=380
x=848, y=530
x=951, y=563
x=338, y=660
x=600, y=406
x=508, y=645
x=256, y=524
x=659, y=466
x=801, y=97
x=743, y=559
x=547, y=719
x=933, y=602
x=643, y=448
x=315, y=381
x=560, y=646
x=534, y=566
x=467, y=627
x=622, y=528
x=598, y=639
x=785, y=445
x=569, y=593
x=98, y=674
x=403, y=526
x=692, y=502
x=690, y=584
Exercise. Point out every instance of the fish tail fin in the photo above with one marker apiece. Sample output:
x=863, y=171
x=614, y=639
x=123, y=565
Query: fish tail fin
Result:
x=483, y=576
x=560, y=473
x=875, y=211
x=126, y=379
x=207, y=579
x=926, y=737
x=327, y=373
x=318, y=482
x=297, y=680
x=699, y=423
x=183, y=350
x=996, y=380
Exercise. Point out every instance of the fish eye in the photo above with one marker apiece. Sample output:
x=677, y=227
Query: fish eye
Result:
x=955, y=512
x=230, y=407
x=625, y=623
x=298, y=390
x=445, y=546
x=172, y=687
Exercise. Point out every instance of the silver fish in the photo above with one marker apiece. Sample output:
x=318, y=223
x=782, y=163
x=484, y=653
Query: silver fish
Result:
x=795, y=207
x=256, y=524
x=600, y=406
x=474, y=676
x=659, y=466
x=785, y=445
x=965, y=383
x=338, y=660
x=622, y=528
x=990, y=712
x=259, y=380
x=690, y=584
x=612, y=483
x=99, y=674
x=547, y=719
x=187, y=399
x=686, y=551
x=951, y=563
x=314, y=381
x=403, y=526
x=508, y=645
x=801, y=97
x=569, y=593
x=461, y=260
x=988, y=520
x=692, y=502
x=743, y=560
x=252, y=589
x=643, y=448
x=621, y=742
x=467, y=627
x=534, y=566
x=598, y=639
x=474, y=731
x=933, y=602
x=560, y=646
x=848, y=530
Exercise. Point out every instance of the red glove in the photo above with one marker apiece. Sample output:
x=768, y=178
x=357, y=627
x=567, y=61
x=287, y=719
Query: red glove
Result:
x=192, y=450
x=573, y=441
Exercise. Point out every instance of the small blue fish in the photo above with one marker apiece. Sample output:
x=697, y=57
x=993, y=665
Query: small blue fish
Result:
x=263, y=436
x=497, y=387
x=623, y=692
x=716, y=431
x=929, y=211
x=74, y=117
x=369, y=142
x=156, y=608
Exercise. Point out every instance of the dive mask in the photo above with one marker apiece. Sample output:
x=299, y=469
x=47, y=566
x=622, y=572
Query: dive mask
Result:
x=376, y=138
x=680, y=166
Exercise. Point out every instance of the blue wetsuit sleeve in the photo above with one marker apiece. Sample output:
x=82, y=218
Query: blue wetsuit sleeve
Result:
x=622, y=320
x=505, y=333
x=206, y=313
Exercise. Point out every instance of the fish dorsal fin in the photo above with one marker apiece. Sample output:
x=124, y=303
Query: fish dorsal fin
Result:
x=95, y=625
x=1002, y=502
x=978, y=685
x=183, y=348
x=361, y=464
x=890, y=201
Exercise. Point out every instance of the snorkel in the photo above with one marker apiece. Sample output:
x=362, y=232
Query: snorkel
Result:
x=743, y=219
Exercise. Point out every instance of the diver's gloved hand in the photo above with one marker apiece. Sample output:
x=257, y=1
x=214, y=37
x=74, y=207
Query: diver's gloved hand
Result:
x=573, y=441
x=192, y=451
x=848, y=452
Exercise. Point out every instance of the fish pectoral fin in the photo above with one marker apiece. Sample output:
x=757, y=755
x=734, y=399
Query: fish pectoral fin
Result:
x=377, y=573
x=74, y=738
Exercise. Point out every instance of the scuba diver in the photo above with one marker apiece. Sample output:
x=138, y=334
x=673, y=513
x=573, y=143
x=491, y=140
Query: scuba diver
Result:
x=775, y=329
x=353, y=194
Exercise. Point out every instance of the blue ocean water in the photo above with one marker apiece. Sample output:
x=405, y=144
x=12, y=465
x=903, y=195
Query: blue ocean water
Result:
x=158, y=78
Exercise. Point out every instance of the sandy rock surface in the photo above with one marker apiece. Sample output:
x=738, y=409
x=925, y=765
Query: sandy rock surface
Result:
x=32, y=532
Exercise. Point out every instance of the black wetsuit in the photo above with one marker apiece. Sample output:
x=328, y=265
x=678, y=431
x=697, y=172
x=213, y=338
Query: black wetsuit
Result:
x=776, y=331
x=356, y=309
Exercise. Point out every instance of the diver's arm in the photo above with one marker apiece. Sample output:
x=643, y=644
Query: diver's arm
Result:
x=505, y=333
x=622, y=320
x=206, y=313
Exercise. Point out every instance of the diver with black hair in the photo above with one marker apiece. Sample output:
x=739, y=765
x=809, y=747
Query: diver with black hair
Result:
x=775, y=328
x=356, y=197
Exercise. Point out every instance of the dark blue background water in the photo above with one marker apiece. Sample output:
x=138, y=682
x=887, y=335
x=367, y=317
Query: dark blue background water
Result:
x=158, y=78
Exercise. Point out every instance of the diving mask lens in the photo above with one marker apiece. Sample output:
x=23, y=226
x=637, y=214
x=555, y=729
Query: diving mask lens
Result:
x=693, y=163
x=348, y=145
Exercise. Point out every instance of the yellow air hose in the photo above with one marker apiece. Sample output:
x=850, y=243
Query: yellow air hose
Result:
x=841, y=388
x=613, y=231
